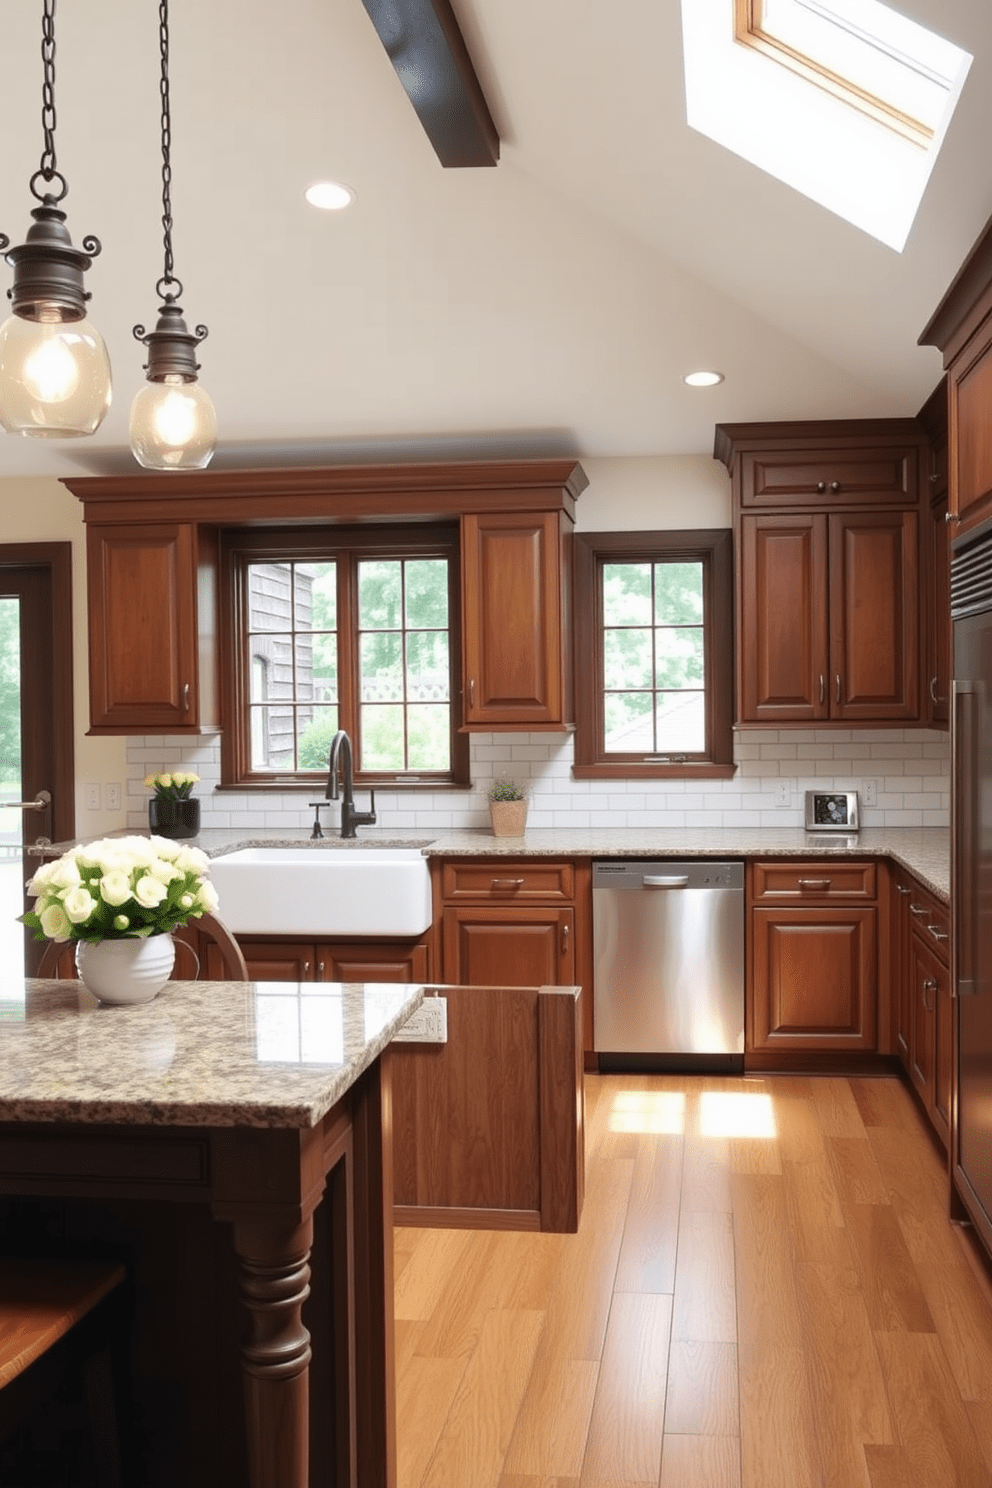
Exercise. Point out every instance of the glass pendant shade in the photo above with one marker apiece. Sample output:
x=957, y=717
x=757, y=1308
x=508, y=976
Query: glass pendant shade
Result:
x=54, y=377
x=173, y=425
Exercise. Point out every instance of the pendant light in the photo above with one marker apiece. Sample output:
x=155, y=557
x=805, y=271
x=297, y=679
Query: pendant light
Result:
x=173, y=423
x=54, y=367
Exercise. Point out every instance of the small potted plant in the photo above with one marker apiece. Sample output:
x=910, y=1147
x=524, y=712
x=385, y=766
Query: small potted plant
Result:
x=173, y=811
x=120, y=899
x=507, y=809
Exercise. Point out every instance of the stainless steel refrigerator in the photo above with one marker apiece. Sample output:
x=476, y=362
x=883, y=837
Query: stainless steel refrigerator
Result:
x=971, y=877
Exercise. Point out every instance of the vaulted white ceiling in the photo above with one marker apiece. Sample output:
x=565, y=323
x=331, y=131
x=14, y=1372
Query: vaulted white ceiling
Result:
x=547, y=306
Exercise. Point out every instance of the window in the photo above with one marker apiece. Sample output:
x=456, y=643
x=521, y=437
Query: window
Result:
x=352, y=628
x=653, y=635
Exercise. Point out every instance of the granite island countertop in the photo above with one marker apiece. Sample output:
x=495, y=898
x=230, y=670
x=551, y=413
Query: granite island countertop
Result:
x=246, y=1054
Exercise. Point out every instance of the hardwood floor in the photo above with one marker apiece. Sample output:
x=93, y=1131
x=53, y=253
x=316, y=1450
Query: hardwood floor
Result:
x=765, y=1292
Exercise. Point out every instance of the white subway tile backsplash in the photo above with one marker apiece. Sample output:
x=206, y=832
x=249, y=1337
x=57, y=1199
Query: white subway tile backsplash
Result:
x=911, y=768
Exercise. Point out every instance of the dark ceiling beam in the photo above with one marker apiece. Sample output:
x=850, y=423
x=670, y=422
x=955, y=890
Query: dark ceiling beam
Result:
x=428, y=51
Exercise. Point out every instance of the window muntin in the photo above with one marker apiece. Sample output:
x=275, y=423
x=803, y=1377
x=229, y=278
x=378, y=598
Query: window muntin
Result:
x=343, y=628
x=653, y=616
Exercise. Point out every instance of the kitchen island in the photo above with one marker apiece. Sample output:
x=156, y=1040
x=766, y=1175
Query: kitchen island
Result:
x=231, y=1142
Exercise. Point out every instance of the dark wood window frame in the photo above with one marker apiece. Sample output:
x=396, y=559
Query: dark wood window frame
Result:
x=239, y=548
x=713, y=547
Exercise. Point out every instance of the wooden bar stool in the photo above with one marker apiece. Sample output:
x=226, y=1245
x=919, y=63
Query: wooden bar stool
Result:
x=42, y=1305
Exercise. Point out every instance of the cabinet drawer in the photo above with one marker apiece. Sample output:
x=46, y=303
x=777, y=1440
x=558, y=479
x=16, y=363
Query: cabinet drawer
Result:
x=931, y=921
x=779, y=883
x=507, y=880
x=824, y=478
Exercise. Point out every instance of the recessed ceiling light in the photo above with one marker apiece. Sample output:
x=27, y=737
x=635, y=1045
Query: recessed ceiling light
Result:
x=330, y=196
x=702, y=379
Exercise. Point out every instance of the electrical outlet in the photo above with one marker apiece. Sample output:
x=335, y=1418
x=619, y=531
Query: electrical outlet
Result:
x=114, y=796
x=783, y=794
x=870, y=792
x=92, y=795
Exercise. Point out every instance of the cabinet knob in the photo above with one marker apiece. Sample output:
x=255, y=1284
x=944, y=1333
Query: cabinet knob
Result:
x=821, y=486
x=835, y=486
x=320, y=971
x=564, y=939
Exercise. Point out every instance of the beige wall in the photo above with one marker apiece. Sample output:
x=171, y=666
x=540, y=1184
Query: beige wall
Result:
x=623, y=495
x=42, y=510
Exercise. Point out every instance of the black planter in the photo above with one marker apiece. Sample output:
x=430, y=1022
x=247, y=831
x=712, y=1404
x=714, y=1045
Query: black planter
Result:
x=175, y=819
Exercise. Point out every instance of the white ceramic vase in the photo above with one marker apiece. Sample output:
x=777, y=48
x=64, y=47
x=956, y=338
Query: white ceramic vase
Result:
x=125, y=971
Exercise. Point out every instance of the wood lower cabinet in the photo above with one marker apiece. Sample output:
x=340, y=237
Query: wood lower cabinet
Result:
x=275, y=959
x=152, y=628
x=813, y=961
x=922, y=990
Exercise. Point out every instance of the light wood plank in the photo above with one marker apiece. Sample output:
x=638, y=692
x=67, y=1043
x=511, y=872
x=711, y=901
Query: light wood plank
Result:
x=701, y=1462
x=425, y=1392
x=890, y=1282
x=589, y=1264
x=779, y=1446
x=767, y=1309
x=516, y=1481
x=483, y=1414
x=625, y=1432
x=815, y=1216
x=549, y=1439
x=422, y=1281
x=847, y=1389
x=702, y=1390
x=855, y=1171
x=706, y=1174
x=890, y=1467
x=651, y=1231
x=705, y=1286
x=932, y=1422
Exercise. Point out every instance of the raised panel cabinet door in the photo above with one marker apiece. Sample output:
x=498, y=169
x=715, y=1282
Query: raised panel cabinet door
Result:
x=782, y=650
x=279, y=960
x=939, y=617
x=814, y=978
x=358, y=961
x=970, y=397
x=923, y=1031
x=813, y=477
x=902, y=972
x=514, y=631
x=509, y=947
x=874, y=615
x=142, y=627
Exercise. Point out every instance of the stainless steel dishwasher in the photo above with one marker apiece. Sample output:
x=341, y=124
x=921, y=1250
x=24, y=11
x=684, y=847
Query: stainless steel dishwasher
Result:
x=668, y=974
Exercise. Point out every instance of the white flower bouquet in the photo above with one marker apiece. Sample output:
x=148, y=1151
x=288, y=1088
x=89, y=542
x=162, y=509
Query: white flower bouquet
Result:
x=173, y=786
x=120, y=888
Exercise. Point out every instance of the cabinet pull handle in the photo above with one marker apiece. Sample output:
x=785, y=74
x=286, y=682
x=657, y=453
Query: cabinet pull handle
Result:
x=471, y=692
x=929, y=985
x=838, y=687
x=903, y=889
x=821, y=486
x=564, y=939
x=933, y=691
x=937, y=933
x=320, y=971
x=823, y=687
x=814, y=883
x=919, y=910
x=507, y=883
x=186, y=698
x=306, y=968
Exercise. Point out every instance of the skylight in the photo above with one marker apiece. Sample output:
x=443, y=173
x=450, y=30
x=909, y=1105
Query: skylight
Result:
x=847, y=101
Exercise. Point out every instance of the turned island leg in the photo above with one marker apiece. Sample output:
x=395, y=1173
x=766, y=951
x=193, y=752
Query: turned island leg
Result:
x=275, y=1359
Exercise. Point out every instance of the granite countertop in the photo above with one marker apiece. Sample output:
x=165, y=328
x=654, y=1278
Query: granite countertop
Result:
x=922, y=851
x=255, y=1054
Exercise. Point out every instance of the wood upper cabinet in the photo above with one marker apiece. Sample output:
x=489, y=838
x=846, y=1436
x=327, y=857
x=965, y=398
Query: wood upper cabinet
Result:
x=515, y=589
x=827, y=542
x=829, y=607
x=151, y=628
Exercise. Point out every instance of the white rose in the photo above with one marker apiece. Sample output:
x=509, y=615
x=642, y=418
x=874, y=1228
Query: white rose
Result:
x=42, y=879
x=78, y=905
x=115, y=887
x=207, y=897
x=55, y=922
x=65, y=874
x=165, y=847
x=148, y=891
x=193, y=860
x=164, y=872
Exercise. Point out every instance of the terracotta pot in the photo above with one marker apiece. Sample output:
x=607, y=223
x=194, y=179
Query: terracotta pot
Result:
x=509, y=818
x=125, y=971
x=175, y=819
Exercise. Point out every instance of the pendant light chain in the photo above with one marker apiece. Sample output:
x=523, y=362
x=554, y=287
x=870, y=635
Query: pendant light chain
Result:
x=168, y=277
x=48, y=170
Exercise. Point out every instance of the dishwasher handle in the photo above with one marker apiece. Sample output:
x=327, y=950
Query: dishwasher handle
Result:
x=665, y=881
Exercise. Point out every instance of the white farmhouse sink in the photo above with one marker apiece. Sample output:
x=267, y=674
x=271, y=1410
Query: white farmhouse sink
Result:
x=323, y=891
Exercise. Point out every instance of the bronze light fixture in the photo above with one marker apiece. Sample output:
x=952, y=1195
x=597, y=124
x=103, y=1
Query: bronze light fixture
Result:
x=54, y=367
x=173, y=423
